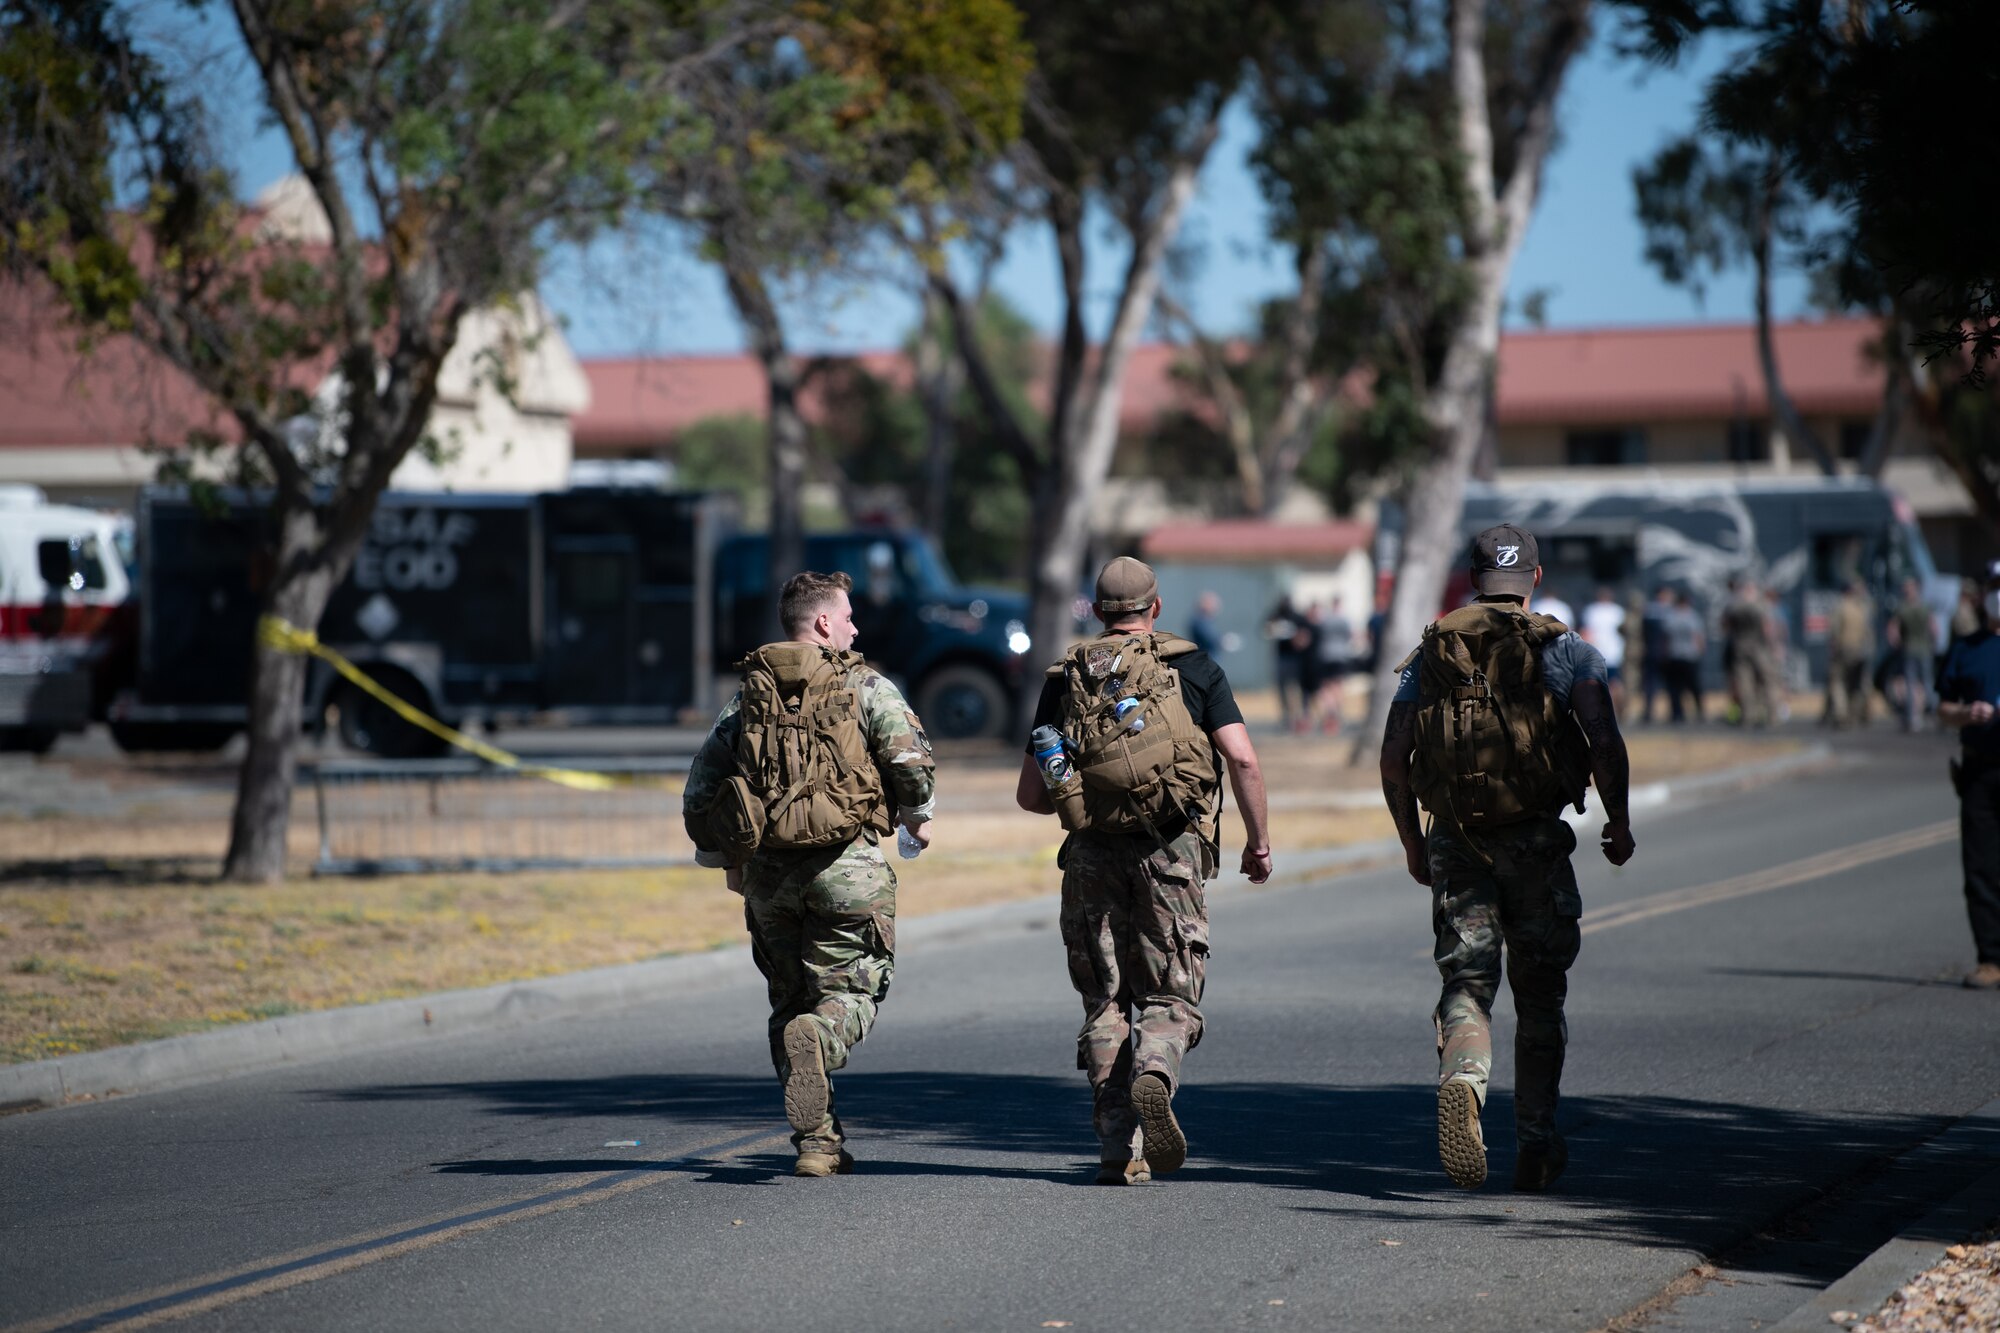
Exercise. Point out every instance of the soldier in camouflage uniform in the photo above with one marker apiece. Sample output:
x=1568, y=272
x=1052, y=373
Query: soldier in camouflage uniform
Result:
x=1507, y=888
x=1134, y=918
x=822, y=919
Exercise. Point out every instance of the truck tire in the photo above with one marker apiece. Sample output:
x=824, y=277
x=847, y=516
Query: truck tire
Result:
x=368, y=725
x=28, y=740
x=963, y=702
x=153, y=737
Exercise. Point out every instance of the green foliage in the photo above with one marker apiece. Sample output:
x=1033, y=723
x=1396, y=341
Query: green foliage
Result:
x=723, y=453
x=876, y=433
x=1876, y=110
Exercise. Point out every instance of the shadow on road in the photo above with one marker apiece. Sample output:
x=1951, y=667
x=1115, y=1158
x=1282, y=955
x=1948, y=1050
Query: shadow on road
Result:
x=1952, y=981
x=1657, y=1171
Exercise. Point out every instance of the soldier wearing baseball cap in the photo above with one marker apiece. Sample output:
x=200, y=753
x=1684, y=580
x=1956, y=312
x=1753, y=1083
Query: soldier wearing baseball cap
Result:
x=1516, y=719
x=1968, y=688
x=1130, y=739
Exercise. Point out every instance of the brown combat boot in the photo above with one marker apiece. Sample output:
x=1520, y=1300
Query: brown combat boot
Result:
x=1538, y=1165
x=1461, y=1145
x=1166, y=1146
x=805, y=1076
x=1984, y=977
x=824, y=1164
x=1132, y=1172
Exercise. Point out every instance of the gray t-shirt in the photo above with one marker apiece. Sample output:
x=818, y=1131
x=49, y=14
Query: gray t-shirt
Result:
x=1565, y=661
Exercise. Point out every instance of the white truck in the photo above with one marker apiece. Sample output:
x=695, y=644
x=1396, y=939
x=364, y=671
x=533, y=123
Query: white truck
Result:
x=64, y=588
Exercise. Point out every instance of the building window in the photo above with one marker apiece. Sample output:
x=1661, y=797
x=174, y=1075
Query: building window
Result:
x=1617, y=447
x=1748, y=442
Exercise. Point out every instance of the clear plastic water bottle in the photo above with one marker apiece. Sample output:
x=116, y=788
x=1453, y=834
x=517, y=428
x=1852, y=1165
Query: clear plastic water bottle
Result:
x=1128, y=714
x=907, y=846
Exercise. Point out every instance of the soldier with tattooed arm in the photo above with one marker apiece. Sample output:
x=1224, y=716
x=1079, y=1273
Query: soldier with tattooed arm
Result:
x=1501, y=719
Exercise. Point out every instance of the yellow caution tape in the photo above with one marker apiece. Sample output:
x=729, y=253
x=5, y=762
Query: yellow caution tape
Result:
x=285, y=637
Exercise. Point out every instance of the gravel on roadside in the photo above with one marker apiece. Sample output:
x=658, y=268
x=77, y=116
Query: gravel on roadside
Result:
x=1958, y=1294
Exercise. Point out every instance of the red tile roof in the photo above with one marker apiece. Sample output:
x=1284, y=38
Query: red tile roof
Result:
x=120, y=395
x=1255, y=540
x=640, y=402
x=1683, y=372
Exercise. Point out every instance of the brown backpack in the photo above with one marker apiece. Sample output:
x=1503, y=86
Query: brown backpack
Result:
x=1492, y=745
x=808, y=776
x=1133, y=781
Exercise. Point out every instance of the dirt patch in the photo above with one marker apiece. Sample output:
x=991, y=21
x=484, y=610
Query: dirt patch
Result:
x=112, y=929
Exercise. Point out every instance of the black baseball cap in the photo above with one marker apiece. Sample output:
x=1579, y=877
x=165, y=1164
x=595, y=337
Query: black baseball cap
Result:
x=1504, y=559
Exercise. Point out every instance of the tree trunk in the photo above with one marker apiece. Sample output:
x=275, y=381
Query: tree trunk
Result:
x=1084, y=436
x=937, y=379
x=1299, y=413
x=1455, y=406
x=261, y=823
x=785, y=430
x=1782, y=407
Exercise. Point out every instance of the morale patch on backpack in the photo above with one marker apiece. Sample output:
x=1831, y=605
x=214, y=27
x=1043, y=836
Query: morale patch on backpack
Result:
x=1144, y=765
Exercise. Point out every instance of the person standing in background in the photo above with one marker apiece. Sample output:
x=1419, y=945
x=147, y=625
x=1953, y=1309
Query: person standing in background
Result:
x=1752, y=678
x=1335, y=654
x=1653, y=629
x=1202, y=632
x=1686, y=641
x=1604, y=630
x=1850, y=649
x=1914, y=634
x=1968, y=689
x=1282, y=628
x=1778, y=630
x=1548, y=604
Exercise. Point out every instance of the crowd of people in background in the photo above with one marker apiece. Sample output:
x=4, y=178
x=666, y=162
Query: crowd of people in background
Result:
x=1654, y=649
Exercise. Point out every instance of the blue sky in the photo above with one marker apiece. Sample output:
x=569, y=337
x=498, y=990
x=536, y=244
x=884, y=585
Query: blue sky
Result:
x=648, y=293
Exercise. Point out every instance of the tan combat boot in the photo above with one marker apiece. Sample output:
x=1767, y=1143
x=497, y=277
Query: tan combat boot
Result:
x=1166, y=1146
x=1461, y=1145
x=805, y=1076
x=1984, y=977
x=824, y=1164
x=1132, y=1172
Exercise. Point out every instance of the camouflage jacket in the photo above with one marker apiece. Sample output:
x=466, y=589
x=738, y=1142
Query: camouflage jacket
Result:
x=901, y=749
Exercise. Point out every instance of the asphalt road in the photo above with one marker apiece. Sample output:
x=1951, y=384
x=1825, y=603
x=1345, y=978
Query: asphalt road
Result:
x=1765, y=1016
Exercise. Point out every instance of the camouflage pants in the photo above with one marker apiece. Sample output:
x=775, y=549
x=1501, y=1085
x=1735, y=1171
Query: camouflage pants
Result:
x=823, y=932
x=1136, y=929
x=1510, y=886
x=1753, y=675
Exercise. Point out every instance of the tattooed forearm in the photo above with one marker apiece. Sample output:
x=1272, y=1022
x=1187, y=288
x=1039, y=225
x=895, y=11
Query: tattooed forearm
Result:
x=1398, y=740
x=1608, y=762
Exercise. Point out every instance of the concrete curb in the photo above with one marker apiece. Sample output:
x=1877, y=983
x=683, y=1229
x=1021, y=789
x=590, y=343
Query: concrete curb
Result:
x=298, y=1038
x=1872, y=1281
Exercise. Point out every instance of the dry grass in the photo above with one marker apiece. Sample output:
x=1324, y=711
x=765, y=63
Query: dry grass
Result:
x=149, y=946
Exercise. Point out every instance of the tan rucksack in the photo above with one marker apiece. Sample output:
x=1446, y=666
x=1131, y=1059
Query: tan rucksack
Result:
x=805, y=774
x=1492, y=745
x=1133, y=781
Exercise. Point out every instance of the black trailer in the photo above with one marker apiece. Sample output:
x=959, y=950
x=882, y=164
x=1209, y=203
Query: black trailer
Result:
x=582, y=605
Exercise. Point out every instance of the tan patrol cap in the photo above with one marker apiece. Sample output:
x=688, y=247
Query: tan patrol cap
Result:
x=1126, y=585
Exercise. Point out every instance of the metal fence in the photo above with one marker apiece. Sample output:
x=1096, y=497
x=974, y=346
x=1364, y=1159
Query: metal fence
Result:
x=413, y=816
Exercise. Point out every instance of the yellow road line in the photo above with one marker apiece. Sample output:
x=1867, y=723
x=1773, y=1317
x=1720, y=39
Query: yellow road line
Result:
x=1776, y=877
x=228, y=1286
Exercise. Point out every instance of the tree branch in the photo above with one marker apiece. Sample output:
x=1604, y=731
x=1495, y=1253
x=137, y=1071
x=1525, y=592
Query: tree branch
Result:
x=1211, y=361
x=985, y=383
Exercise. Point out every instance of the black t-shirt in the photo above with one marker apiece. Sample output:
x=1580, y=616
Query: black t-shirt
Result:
x=1204, y=689
x=1971, y=672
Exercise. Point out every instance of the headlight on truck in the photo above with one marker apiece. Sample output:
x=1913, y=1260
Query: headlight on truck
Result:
x=1017, y=637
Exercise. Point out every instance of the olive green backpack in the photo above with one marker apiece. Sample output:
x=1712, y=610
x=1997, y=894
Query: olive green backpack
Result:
x=805, y=775
x=1492, y=746
x=1132, y=781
